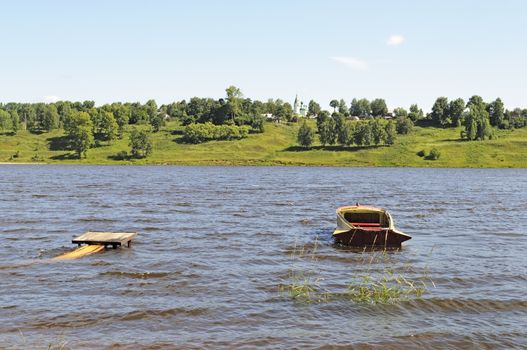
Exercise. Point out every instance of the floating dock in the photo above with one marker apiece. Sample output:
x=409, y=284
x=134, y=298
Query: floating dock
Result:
x=114, y=239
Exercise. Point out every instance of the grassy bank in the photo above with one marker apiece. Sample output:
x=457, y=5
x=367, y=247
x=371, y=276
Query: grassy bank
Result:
x=278, y=146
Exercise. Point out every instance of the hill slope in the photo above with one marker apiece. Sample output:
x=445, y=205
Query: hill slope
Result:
x=278, y=146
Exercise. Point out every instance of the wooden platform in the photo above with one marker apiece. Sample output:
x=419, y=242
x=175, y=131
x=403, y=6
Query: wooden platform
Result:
x=113, y=239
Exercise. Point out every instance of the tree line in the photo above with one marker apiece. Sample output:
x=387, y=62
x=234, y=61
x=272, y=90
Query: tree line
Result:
x=235, y=116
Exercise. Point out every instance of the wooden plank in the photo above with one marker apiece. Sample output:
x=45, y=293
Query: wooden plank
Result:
x=105, y=238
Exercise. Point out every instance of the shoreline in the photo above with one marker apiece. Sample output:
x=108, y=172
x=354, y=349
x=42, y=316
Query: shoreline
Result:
x=255, y=164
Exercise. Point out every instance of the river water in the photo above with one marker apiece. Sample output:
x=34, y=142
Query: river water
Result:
x=216, y=244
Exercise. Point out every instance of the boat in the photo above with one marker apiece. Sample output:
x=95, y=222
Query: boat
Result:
x=365, y=226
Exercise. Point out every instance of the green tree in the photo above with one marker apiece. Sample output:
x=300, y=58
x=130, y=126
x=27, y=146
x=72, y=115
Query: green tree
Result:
x=80, y=133
x=15, y=120
x=360, y=108
x=416, y=113
x=140, y=144
x=379, y=108
x=158, y=121
x=477, y=124
x=326, y=132
x=496, y=112
x=234, y=95
x=346, y=135
x=313, y=109
x=400, y=112
x=121, y=114
x=378, y=131
x=321, y=117
x=105, y=127
x=151, y=109
x=455, y=111
x=343, y=108
x=476, y=101
x=5, y=120
x=404, y=125
x=439, y=113
x=283, y=112
x=306, y=135
x=340, y=121
x=334, y=104
x=363, y=134
x=390, y=133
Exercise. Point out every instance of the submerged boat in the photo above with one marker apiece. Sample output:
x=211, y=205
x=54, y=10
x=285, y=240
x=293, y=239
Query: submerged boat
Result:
x=364, y=226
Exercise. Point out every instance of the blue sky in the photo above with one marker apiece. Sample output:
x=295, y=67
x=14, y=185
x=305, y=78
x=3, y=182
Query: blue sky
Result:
x=403, y=51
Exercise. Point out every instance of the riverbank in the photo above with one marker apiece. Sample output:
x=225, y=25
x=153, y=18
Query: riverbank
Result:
x=278, y=146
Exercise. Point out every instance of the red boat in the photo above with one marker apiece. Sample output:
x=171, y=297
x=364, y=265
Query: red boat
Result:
x=364, y=226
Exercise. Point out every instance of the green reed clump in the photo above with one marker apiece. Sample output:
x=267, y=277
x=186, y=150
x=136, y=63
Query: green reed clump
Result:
x=381, y=280
x=301, y=285
x=385, y=289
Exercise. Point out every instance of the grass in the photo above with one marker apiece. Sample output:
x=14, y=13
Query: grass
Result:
x=278, y=146
x=367, y=285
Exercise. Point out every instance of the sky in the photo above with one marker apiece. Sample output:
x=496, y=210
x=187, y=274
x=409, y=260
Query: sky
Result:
x=403, y=51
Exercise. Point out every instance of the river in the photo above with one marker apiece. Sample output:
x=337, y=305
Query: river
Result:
x=216, y=245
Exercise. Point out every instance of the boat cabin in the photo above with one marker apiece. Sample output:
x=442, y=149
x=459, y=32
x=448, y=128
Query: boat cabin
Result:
x=367, y=218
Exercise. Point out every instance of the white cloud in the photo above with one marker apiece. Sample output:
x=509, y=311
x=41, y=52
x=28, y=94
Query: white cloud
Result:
x=51, y=99
x=352, y=62
x=395, y=40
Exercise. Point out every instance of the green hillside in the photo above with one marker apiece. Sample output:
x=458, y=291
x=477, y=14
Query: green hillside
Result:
x=278, y=146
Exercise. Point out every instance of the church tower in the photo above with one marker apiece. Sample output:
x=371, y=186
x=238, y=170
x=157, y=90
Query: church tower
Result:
x=295, y=105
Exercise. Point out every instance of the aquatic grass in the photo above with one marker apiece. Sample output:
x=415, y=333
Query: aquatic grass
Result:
x=369, y=284
x=301, y=285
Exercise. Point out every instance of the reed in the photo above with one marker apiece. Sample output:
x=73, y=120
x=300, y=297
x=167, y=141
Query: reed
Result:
x=375, y=279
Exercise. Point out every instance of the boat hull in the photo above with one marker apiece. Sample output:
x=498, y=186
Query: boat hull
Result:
x=365, y=237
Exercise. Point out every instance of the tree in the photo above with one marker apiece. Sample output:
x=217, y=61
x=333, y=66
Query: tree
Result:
x=334, y=104
x=283, y=112
x=306, y=135
x=390, y=133
x=15, y=120
x=234, y=95
x=49, y=118
x=121, y=114
x=477, y=124
x=326, y=132
x=140, y=143
x=475, y=101
x=345, y=137
x=455, y=111
x=363, y=134
x=313, y=109
x=80, y=133
x=158, y=121
x=321, y=117
x=104, y=126
x=343, y=108
x=496, y=112
x=377, y=130
x=5, y=120
x=440, y=112
x=404, y=125
x=400, y=112
x=415, y=113
x=151, y=109
x=360, y=108
x=379, y=108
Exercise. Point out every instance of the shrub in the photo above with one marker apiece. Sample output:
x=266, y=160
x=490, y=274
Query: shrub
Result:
x=404, y=125
x=434, y=154
x=122, y=155
x=202, y=132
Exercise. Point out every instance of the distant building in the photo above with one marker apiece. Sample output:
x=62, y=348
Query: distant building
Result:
x=299, y=107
